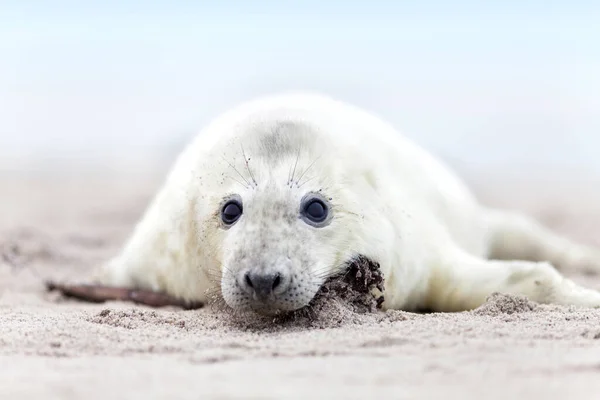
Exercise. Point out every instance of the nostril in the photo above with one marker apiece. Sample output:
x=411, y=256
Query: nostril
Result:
x=248, y=280
x=262, y=285
x=276, y=281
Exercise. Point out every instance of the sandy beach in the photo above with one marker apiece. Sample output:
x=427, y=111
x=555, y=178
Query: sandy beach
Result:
x=60, y=225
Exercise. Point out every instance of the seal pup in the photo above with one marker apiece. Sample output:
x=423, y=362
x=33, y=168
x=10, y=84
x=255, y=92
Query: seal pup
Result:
x=278, y=194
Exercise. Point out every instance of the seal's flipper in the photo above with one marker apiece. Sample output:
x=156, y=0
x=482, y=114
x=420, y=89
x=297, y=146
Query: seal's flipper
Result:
x=519, y=237
x=100, y=294
x=465, y=282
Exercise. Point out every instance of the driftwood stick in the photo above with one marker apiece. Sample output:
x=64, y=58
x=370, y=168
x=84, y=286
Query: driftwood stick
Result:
x=100, y=294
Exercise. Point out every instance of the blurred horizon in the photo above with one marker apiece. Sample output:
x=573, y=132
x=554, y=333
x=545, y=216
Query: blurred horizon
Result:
x=485, y=86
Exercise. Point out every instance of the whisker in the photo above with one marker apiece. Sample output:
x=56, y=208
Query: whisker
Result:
x=218, y=274
x=341, y=270
x=214, y=278
x=247, y=165
x=326, y=276
x=305, y=182
x=215, y=300
x=321, y=270
x=295, y=165
x=306, y=170
x=238, y=181
x=236, y=170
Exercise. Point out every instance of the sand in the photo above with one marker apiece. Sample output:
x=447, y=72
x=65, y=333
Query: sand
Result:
x=59, y=226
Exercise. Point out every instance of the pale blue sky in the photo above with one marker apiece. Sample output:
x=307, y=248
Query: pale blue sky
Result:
x=483, y=84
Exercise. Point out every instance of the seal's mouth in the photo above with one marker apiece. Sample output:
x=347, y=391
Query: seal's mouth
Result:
x=269, y=306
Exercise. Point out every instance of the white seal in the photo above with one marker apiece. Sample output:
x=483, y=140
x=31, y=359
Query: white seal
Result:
x=278, y=194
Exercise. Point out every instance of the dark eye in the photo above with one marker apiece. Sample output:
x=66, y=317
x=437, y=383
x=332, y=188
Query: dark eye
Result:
x=232, y=211
x=315, y=210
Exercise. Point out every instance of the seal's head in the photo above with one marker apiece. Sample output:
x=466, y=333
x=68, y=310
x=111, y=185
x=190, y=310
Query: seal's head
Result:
x=279, y=246
x=284, y=226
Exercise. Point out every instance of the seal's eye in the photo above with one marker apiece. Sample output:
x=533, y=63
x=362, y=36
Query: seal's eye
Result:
x=315, y=210
x=231, y=212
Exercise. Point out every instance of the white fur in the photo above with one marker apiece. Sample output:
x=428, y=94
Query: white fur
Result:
x=391, y=201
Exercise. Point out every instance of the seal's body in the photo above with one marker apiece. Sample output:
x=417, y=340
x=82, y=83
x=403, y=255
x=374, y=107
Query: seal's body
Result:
x=278, y=194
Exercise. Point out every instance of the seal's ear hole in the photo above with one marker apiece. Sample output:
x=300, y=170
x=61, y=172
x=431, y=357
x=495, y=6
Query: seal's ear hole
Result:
x=231, y=211
x=315, y=211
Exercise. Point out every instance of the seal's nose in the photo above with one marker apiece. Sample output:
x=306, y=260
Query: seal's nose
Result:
x=263, y=284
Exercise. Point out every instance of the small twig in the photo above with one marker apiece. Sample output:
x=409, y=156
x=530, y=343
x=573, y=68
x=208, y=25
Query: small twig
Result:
x=100, y=294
